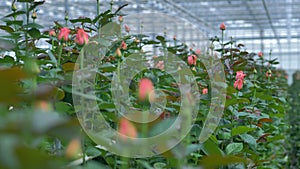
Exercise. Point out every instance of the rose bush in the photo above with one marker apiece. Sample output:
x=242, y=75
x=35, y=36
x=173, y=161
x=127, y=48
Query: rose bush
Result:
x=38, y=126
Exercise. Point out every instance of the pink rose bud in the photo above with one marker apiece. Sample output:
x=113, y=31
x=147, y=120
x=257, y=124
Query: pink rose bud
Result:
x=174, y=37
x=118, y=52
x=64, y=34
x=160, y=65
x=146, y=88
x=204, y=91
x=123, y=45
x=127, y=28
x=127, y=129
x=120, y=18
x=260, y=54
x=81, y=37
x=192, y=60
x=34, y=16
x=52, y=32
x=268, y=74
x=222, y=26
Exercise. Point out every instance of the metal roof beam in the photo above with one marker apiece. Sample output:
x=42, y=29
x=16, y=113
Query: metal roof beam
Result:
x=271, y=22
x=191, y=15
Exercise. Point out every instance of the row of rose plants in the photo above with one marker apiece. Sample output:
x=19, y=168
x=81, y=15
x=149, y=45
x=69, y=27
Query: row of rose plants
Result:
x=39, y=128
x=293, y=118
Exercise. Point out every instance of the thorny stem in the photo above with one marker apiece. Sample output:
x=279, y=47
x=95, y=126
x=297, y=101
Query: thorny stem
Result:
x=59, y=54
x=222, y=43
x=27, y=22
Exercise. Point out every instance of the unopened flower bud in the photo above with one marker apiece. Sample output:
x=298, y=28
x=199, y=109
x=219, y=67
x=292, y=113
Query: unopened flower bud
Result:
x=127, y=28
x=222, y=26
x=118, y=52
x=66, y=17
x=136, y=40
x=254, y=71
x=174, y=37
x=120, y=18
x=33, y=16
x=52, y=32
x=111, y=2
x=13, y=7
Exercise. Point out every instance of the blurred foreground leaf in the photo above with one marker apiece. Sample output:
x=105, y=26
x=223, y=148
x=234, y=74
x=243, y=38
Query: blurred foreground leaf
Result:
x=215, y=161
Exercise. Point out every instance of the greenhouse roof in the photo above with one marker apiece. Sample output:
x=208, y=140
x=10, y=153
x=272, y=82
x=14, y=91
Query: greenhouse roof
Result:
x=262, y=25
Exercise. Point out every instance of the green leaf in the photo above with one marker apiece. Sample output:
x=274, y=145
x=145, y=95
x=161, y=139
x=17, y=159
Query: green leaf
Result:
x=106, y=19
x=234, y=101
x=275, y=138
x=25, y=0
x=263, y=96
x=248, y=139
x=240, y=130
x=52, y=57
x=34, y=33
x=159, y=165
x=70, y=66
x=215, y=161
x=7, y=60
x=161, y=127
x=107, y=106
x=121, y=7
x=101, y=15
x=6, y=28
x=195, y=130
x=108, y=67
x=93, y=151
x=15, y=14
x=277, y=107
x=81, y=20
x=35, y=4
x=211, y=148
x=63, y=107
x=225, y=135
x=95, y=165
x=145, y=164
x=160, y=38
x=234, y=148
x=35, y=159
x=16, y=22
x=192, y=148
x=151, y=42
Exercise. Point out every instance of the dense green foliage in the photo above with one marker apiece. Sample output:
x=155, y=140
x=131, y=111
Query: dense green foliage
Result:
x=38, y=126
x=294, y=117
